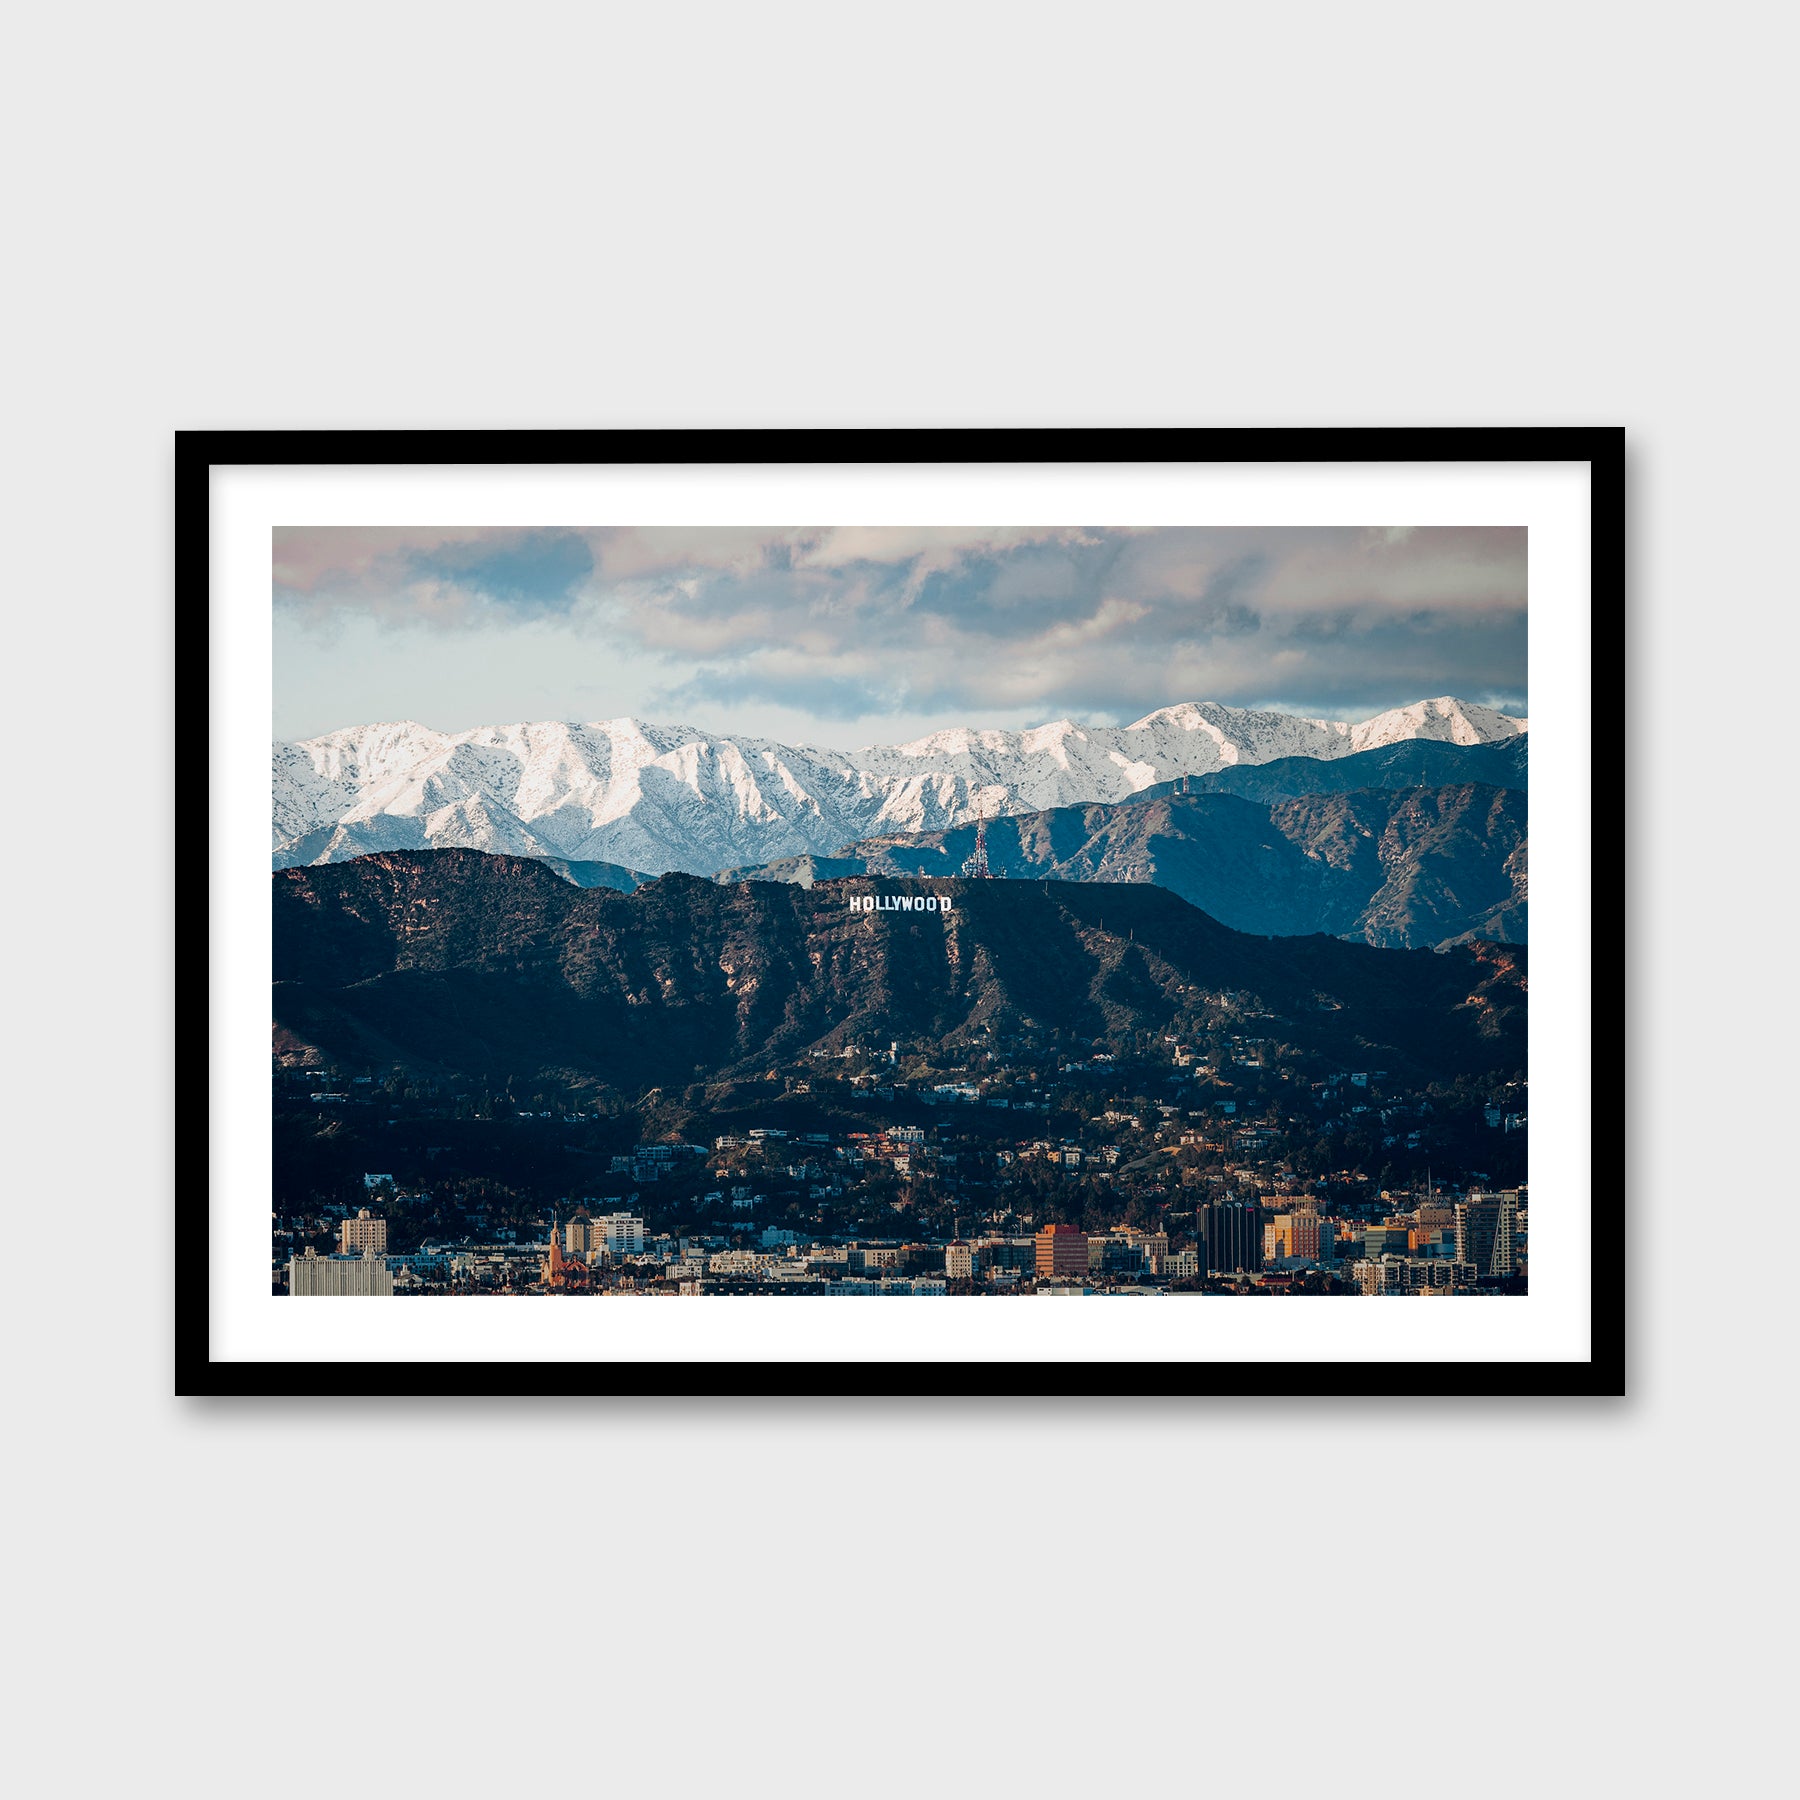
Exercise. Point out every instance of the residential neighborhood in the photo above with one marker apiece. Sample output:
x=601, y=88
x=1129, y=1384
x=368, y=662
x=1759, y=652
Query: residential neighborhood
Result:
x=1027, y=1168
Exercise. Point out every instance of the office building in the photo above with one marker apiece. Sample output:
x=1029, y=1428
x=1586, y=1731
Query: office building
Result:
x=1390, y=1239
x=1061, y=1250
x=1152, y=1245
x=1231, y=1236
x=1016, y=1254
x=338, y=1276
x=362, y=1233
x=1298, y=1236
x=620, y=1234
x=1117, y=1253
x=1484, y=1232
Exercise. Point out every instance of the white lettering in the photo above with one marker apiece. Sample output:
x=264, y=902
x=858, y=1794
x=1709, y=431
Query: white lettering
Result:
x=901, y=903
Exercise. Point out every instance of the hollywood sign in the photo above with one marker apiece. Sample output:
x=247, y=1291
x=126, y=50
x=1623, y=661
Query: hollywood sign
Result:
x=900, y=903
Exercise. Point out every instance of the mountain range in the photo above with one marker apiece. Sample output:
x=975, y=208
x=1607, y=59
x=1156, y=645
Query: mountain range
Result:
x=1398, y=867
x=454, y=960
x=653, y=798
x=1414, y=762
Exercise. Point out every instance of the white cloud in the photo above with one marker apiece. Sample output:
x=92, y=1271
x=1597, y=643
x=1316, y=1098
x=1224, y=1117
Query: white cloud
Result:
x=851, y=622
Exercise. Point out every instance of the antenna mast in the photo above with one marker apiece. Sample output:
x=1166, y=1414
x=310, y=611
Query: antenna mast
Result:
x=976, y=868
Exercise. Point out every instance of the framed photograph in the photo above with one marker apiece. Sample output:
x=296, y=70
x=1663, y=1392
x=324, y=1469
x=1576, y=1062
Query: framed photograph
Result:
x=760, y=912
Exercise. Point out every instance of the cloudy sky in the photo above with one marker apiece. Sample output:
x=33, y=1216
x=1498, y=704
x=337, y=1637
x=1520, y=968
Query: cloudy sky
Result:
x=849, y=635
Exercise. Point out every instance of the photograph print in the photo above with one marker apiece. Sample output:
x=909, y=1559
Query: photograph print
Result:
x=832, y=912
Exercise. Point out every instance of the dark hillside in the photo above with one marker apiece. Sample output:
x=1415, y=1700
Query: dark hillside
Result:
x=454, y=960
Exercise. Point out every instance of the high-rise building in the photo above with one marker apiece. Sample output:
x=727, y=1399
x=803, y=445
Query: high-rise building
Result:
x=1061, y=1250
x=1484, y=1232
x=961, y=1261
x=313, y=1274
x=1231, y=1236
x=620, y=1234
x=1508, y=1233
x=362, y=1233
x=579, y=1235
x=1301, y=1235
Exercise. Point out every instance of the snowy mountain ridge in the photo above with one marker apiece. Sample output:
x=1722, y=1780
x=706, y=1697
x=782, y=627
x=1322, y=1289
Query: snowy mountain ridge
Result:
x=659, y=797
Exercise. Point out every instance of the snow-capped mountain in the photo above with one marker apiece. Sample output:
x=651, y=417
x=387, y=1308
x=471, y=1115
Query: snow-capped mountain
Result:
x=661, y=797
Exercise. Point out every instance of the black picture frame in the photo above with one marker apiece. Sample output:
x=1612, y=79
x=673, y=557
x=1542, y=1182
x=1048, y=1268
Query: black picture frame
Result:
x=198, y=453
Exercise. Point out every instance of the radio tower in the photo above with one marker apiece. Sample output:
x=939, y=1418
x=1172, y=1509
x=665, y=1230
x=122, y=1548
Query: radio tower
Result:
x=976, y=868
